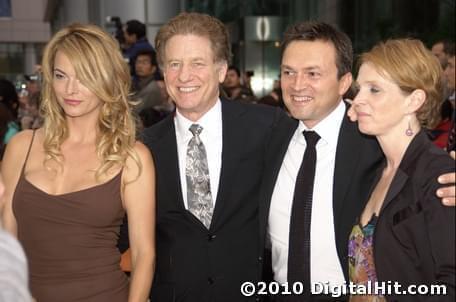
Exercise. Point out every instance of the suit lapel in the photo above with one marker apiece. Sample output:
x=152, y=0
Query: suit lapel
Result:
x=396, y=186
x=349, y=145
x=231, y=150
x=166, y=150
x=277, y=148
x=419, y=143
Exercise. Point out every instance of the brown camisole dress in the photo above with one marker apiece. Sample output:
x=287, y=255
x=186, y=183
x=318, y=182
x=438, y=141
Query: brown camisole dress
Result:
x=70, y=241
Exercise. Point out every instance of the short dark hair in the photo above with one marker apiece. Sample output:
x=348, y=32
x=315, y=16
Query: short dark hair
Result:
x=236, y=70
x=8, y=95
x=136, y=27
x=314, y=31
x=150, y=53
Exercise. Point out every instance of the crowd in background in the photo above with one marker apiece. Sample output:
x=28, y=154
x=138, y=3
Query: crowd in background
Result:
x=19, y=106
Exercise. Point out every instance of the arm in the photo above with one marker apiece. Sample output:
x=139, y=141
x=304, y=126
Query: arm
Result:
x=2, y=187
x=11, y=170
x=440, y=226
x=447, y=193
x=139, y=202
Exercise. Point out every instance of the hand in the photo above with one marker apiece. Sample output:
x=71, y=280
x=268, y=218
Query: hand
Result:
x=351, y=111
x=448, y=193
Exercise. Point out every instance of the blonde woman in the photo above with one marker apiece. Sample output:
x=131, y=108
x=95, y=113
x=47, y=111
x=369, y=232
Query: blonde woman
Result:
x=69, y=183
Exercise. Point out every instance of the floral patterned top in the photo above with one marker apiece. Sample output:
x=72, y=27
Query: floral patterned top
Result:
x=361, y=259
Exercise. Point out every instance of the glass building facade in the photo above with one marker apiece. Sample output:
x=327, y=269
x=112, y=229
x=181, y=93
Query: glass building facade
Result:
x=256, y=26
x=366, y=22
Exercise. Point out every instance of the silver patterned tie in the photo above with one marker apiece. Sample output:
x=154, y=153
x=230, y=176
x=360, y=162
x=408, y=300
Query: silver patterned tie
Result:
x=199, y=195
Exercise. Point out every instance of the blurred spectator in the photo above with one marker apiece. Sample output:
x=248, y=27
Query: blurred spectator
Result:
x=441, y=135
x=8, y=113
x=9, y=97
x=148, y=91
x=234, y=89
x=13, y=270
x=247, y=79
x=274, y=98
x=438, y=51
x=29, y=100
x=8, y=127
x=450, y=76
x=136, y=41
x=31, y=118
x=33, y=84
x=13, y=266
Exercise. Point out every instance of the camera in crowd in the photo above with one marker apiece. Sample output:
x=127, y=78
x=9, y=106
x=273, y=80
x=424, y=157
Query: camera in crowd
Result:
x=118, y=34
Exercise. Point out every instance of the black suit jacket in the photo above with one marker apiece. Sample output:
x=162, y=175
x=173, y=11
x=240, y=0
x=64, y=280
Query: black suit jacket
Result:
x=357, y=158
x=193, y=263
x=414, y=235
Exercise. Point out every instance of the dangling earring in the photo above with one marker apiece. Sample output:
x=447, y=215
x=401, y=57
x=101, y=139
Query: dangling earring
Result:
x=409, y=131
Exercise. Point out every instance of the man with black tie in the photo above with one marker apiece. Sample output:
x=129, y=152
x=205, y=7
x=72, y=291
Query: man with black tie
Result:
x=209, y=158
x=312, y=194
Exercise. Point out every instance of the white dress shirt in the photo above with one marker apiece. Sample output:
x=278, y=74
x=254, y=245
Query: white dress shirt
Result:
x=211, y=136
x=325, y=264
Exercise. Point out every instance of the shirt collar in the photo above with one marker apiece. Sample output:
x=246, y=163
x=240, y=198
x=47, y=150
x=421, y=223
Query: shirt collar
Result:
x=328, y=129
x=211, y=122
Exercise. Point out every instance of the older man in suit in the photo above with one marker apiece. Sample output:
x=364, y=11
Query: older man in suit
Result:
x=209, y=158
x=320, y=167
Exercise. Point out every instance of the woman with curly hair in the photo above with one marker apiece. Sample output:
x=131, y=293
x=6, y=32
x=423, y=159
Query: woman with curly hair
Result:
x=69, y=183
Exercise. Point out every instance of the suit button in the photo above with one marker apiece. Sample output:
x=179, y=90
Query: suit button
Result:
x=211, y=237
x=210, y=281
x=260, y=258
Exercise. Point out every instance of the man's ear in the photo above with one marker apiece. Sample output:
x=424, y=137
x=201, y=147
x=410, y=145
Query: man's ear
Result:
x=415, y=100
x=345, y=83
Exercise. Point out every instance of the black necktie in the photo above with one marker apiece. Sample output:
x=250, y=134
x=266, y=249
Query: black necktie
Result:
x=301, y=213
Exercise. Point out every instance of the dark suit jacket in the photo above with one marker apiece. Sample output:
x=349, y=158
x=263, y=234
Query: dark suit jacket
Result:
x=193, y=263
x=357, y=159
x=415, y=233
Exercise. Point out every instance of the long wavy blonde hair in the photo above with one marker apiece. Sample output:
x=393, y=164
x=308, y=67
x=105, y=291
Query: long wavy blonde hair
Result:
x=99, y=66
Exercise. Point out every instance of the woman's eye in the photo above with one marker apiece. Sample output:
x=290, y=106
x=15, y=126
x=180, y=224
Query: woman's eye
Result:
x=374, y=90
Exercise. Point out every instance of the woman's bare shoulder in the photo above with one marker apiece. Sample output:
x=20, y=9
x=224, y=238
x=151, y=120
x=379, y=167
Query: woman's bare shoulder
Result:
x=141, y=154
x=142, y=150
x=18, y=146
x=20, y=142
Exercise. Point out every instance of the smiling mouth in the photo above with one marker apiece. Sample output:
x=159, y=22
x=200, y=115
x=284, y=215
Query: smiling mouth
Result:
x=301, y=99
x=188, y=89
